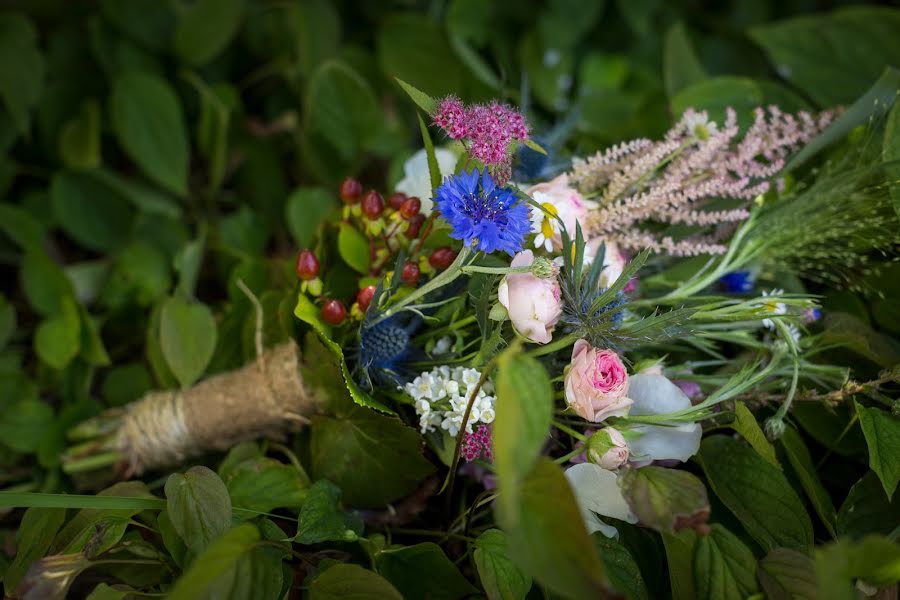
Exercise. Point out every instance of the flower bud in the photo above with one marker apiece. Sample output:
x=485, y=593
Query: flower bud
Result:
x=774, y=428
x=442, y=257
x=410, y=207
x=372, y=205
x=364, y=297
x=307, y=265
x=333, y=312
x=607, y=449
x=415, y=224
x=350, y=190
x=543, y=268
x=396, y=200
x=410, y=273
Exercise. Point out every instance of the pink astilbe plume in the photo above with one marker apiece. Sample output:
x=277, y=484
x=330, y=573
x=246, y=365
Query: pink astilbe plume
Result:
x=672, y=181
x=486, y=130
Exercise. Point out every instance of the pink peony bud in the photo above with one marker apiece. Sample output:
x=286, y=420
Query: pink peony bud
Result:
x=596, y=383
x=607, y=448
x=533, y=304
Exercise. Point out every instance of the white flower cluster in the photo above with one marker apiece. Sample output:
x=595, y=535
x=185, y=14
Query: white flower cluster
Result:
x=441, y=396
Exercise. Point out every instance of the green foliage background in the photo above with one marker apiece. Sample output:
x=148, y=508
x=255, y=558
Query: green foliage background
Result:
x=152, y=152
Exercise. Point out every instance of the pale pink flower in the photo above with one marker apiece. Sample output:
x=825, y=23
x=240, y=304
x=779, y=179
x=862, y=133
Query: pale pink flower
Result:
x=608, y=448
x=596, y=383
x=533, y=304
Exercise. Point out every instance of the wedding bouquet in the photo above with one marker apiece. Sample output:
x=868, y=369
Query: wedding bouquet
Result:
x=554, y=353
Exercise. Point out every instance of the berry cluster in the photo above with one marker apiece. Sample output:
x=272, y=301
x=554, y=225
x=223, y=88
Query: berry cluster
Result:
x=388, y=227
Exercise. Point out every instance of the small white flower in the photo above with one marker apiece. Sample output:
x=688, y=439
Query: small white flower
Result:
x=487, y=415
x=773, y=306
x=699, y=125
x=442, y=346
x=439, y=402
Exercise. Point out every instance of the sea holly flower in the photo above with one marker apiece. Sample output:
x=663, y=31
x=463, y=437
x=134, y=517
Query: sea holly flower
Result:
x=596, y=383
x=416, y=182
x=486, y=217
x=533, y=304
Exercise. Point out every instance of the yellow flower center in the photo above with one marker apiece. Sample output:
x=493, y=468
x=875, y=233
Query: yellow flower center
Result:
x=547, y=224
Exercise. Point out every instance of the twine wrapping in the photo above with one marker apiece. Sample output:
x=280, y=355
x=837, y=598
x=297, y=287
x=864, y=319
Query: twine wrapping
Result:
x=265, y=398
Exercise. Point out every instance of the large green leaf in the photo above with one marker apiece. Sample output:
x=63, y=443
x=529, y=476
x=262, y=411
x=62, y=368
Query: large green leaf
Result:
x=198, y=506
x=850, y=45
x=500, y=577
x=57, y=339
x=787, y=575
x=415, y=49
x=718, y=93
x=746, y=425
x=351, y=582
x=322, y=518
x=882, y=431
x=406, y=567
x=305, y=209
x=724, y=568
x=34, y=535
x=681, y=67
x=621, y=568
x=353, y=248
x=666, y=500
x=45, y=284
x=891, y=153
x=204, y=29
x=21, y=68
x=263, y=484
x=89, y=212
x=187, y=336
x=757, y=493
x=867, y=509
x=374, y=459
x=680, y=558
x=149, y=124
x=803, y=466
x=79, y=139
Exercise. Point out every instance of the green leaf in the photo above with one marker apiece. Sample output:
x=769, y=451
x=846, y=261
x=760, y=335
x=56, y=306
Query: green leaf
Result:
x=323, y=520
x=7, y=321
x=530, y=143
x=263, y=484
x=21, y=68
x=787, y=574
x=524, y=410
x=718, y=93
x=353, y=248
x=867, y=509
x=500, y=577
x=373, y=458
x=188, y=262
x=414, y=48
x=139, y=275
x=874, y=559
x=724, y=568
x=757, y=493
x=236, y=565
x=21, y=227
x=89, y=212
x=851, y=45
x=58, y=339
x=172, y=541
x=187, y=335
x=198, y=506
x=867, y=108
x=621, y=568
x=216, y=103
x=405, y=567
x=745, y=424
x=351, y=582
x=666, y=500
x=423, y=100
x=45, y=283
x=145, y=198
x=79, y=139
x=680, y=558
x=149, y=124
x=882, y=431
x=802, y=463
x=34, y=535
x=92, y=348
x=547, y=536
x=434, y=171
x=681, y=67
x=891, y=153
x=205, y=28
x=305, y=209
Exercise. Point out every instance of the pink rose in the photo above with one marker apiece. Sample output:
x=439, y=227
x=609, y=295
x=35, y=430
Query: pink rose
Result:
x=566, y=202
x=608, y=449
x=597, y=383
x=533, y=304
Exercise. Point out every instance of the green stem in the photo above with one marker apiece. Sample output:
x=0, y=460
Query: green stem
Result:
x=495, y=270
x=567, y=457
x=569, y=430
x=552, y=347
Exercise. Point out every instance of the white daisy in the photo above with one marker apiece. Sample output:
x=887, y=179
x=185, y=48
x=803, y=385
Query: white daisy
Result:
x=773, y=306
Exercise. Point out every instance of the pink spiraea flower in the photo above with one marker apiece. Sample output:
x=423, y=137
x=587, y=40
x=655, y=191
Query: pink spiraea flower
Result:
x=477, y=444
x=486, y=130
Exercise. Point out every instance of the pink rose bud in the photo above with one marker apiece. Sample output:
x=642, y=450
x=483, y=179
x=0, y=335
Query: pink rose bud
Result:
x=607, y=449
x=596, y=383
x=533, y=304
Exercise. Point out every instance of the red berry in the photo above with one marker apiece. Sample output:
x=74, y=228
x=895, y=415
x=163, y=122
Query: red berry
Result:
x=410, y=273
x=396, y=200
x=364, y=297
x=410, y=207
x=350, y=190
x=333, y=312
x=415, y=224
x=373, y=205
x=307, y=265
x=442, y=257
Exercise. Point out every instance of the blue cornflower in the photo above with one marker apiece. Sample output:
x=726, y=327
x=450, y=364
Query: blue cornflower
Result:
x=484, y=216
x=738, y=282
